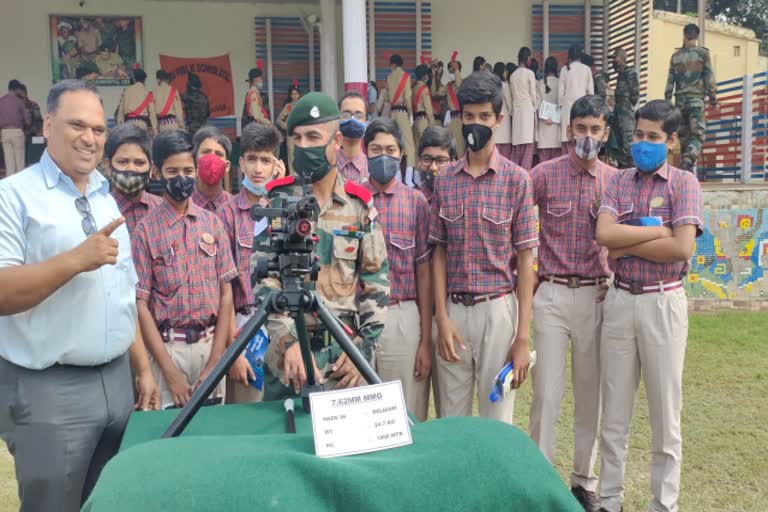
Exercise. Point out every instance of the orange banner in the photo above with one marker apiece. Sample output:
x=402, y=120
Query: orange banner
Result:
x=215, y=73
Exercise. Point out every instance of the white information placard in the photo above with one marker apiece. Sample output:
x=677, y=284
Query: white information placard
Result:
x=359, y=420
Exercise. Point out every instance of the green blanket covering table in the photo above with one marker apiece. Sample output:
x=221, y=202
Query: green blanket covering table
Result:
x=238, y=458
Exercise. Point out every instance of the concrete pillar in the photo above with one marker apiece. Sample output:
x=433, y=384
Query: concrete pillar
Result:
x=328, y=34
x=355, y=48
x=702, y=21
x=545, y=31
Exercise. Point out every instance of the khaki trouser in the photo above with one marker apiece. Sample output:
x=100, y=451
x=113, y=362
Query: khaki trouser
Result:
x=236, y=392
x=396, y=355
x=13, y=149
x=419, y=125
x=563, y=314
x=643, y=332
x=487, y=329
x=403, y=121
x=191, y=360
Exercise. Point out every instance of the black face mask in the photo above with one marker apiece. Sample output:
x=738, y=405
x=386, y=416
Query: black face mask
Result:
x=477, y=136
x=427, y=181
x=179, y=187
x=383, y=168
x=129, y=183
x=311, y=163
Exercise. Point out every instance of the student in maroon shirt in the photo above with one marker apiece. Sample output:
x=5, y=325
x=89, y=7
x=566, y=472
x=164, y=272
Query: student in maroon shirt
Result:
x=128, y=161
x=645, y=316
x=483, y=228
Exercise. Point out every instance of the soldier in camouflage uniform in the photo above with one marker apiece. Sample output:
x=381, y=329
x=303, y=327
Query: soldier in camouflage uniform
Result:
x=626, y=95
x=197, y=110
x=354, y=273
x=691, y=79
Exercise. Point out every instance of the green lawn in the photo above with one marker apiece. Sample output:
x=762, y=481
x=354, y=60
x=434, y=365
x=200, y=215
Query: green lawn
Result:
x=725, y=422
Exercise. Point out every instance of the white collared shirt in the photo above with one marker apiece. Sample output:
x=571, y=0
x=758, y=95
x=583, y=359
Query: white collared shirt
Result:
x=90, y=320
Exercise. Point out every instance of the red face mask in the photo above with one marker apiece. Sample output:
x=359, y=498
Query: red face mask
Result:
x=211, y=168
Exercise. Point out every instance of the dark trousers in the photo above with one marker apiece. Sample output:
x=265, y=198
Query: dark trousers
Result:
x=62, y=425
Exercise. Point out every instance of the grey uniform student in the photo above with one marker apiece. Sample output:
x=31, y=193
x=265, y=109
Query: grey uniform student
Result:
x=67, y=311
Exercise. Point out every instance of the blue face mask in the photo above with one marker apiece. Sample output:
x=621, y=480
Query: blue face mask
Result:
x=352, y=128
x=257, y=190
x=649, y=156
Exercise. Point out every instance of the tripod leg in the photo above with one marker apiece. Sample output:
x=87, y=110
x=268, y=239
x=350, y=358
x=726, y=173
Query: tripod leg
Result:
x=334, y=325
x=311, y=385
x=222, y=366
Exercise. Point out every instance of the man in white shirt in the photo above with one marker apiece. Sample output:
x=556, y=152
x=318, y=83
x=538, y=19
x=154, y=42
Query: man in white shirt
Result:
x=67, y=311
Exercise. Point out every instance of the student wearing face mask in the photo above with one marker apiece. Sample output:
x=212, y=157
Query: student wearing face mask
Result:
x=350, y=159
x=128, y=160
x=573, y=272
x=258, y=161
x=212, y=149
x=253, y=109
x=437, y=149
x=649, y=220
x=404, y=352
x=483, y=228
x=184, y=264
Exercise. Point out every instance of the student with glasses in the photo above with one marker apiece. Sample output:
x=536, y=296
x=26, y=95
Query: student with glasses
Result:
x=350, y=160
x=67, y=311
x=437, y=149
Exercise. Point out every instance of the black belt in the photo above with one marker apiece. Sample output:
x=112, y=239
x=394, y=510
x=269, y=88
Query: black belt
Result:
x=163, y=118
x=321, y=337
x=455, y=113
x=639, y=288
x=420, y=115
x=399, y=108
x=191, y=334
x=470, y=299
x=575, y=281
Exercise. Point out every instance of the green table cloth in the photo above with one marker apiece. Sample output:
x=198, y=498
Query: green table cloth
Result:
x=237, y=457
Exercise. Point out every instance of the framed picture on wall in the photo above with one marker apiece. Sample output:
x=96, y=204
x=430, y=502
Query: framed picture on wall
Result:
x=103, y=49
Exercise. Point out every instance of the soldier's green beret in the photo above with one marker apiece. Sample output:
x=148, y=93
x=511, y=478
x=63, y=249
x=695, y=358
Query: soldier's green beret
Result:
x=312, y=108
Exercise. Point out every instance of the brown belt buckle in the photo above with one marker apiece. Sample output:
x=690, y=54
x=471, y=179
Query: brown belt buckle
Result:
x=191, y=336
x=636, y=288
x=468, y=299
x=574, y=282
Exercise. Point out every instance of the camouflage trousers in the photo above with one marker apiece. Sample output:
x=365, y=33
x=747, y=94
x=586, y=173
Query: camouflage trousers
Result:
x=691, y=130
x=622, y=128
